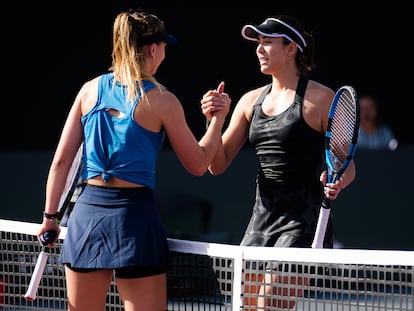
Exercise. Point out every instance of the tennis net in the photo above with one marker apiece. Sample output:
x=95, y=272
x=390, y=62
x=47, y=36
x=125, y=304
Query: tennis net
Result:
x=213, y=276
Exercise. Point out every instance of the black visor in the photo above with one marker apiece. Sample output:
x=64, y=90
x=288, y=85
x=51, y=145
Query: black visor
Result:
x=158, y=37
x=274, y=28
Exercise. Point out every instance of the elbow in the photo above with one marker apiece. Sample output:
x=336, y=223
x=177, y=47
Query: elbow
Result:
x=202, y=170
x=214, y=171
x=198, y=172
x=202, y=165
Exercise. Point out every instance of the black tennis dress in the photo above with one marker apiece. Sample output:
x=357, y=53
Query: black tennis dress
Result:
x=288, y=190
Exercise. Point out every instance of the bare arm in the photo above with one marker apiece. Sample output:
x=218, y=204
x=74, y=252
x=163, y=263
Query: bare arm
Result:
x=194, y=155
x=236, y=134
x=69, y=142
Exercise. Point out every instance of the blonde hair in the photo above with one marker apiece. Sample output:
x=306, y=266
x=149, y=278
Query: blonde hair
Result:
x=128, y=59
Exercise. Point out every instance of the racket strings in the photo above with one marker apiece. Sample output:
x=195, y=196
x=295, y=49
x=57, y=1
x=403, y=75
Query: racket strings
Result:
x=343, y=123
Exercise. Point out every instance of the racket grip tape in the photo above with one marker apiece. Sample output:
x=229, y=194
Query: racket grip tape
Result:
x=326, y=203
x=45, y=239
x=321, y=227
x=48, y=237
x=37, y=275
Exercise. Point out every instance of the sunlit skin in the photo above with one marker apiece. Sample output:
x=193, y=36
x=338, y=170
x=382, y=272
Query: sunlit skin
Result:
x=159, y=109
x=276, y=59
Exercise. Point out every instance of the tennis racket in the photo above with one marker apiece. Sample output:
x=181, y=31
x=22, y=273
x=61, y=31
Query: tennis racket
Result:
x=49, y=236
x=340, y=146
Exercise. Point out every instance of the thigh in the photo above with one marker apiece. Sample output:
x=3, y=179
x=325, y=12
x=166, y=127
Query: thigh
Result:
x=144, y=294
x=251, y=289
x=87, y=291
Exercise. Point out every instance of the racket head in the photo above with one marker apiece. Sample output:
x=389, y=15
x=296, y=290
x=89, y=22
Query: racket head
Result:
x=342, y=131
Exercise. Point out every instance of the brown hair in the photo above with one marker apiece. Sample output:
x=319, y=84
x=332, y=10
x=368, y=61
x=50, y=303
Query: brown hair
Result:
x=305, y=61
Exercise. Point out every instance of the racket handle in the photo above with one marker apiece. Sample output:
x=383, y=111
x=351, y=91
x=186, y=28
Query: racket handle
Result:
x=326, y=203
x=48, y=237
x=322, y=224
x=37, y=275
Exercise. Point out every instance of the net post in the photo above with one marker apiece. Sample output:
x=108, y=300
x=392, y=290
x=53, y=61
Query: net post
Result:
x=237, y=298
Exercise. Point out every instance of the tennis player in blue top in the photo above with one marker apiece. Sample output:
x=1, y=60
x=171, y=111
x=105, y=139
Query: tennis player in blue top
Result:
x=122, y=117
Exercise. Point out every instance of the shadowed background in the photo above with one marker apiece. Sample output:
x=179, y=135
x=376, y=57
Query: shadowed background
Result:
x=51, y=48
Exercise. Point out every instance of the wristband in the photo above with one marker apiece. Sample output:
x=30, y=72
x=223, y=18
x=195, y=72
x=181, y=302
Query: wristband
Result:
x=50, y=216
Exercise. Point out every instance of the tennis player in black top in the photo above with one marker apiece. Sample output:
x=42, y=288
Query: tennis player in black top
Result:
x=285, y=121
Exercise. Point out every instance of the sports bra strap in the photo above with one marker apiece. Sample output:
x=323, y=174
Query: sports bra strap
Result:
x=300, y=89
x=263, y=94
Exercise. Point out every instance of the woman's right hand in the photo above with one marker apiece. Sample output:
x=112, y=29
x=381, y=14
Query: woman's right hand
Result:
x=48, y=225
x=214, y=101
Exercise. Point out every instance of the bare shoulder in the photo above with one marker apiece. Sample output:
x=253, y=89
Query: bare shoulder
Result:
x=164, y=106
x=253, y=94
x=318, y=99
x=90, y=86
x=318, y=93
x=88, y=95
x=250, y=97
x=163, y=99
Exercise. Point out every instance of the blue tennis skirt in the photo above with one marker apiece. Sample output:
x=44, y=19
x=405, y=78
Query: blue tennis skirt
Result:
x=114, y=228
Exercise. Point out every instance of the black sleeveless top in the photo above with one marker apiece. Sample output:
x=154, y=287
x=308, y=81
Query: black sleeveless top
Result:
x=290, y=159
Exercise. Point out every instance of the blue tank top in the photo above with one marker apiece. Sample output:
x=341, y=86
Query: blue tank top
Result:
x=119, y=146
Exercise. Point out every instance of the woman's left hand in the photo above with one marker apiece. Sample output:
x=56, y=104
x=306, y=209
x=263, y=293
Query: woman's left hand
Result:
x=214, y=100
x=331, y=190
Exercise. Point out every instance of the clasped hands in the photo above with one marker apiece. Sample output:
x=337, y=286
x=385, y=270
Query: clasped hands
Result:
x=214, y=101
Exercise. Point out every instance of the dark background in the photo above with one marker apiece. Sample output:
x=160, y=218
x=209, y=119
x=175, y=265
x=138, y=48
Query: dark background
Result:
x=52, y=48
